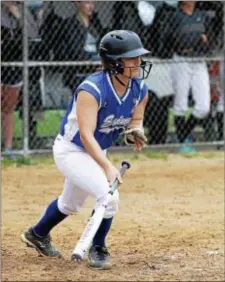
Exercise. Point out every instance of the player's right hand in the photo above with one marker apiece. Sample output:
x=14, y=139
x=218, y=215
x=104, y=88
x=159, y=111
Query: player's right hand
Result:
x=112, y=173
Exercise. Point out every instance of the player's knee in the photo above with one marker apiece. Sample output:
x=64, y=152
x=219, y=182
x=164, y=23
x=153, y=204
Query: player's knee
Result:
x=67, y=207
x=113, y=205
x=201, y=113
x=178, y=111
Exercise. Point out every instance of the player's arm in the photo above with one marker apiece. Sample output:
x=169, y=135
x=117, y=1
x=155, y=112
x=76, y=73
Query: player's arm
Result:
x=87, y=111
x=135, y=131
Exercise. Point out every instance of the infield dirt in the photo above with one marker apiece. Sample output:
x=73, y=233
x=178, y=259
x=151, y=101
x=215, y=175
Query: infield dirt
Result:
x=170, y=225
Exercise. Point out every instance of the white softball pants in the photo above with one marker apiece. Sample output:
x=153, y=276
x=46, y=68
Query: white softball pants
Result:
x=220, y=104
x=194, y=75
x=83, y=177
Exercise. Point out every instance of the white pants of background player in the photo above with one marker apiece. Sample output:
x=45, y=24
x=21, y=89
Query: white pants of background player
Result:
x=83, y=177
x=220, y=104
x=194, y=75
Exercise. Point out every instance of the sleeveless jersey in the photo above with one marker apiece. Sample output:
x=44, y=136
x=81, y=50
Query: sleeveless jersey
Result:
x=114, y=113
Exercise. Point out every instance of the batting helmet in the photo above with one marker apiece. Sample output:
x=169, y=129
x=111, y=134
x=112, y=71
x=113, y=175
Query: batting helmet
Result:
x=119, y=44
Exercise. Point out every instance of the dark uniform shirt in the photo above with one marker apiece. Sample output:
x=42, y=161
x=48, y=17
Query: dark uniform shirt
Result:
x=184, y=33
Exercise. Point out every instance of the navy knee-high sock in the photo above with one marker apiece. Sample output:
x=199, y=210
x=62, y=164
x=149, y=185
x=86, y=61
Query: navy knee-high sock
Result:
x=50, y=219
x=180, y=127
x=220, y=126
x=102, y=232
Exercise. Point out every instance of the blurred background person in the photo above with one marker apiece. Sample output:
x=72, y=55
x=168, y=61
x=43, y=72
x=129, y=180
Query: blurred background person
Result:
x=188, y=36
x=214, y=124
x=74, y=39
x=11, y=77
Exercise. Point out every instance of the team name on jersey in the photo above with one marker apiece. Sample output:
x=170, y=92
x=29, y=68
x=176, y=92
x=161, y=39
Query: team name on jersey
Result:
x=111, y=123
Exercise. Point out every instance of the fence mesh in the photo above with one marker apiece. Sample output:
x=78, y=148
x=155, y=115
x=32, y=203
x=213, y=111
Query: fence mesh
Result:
x=186, y=81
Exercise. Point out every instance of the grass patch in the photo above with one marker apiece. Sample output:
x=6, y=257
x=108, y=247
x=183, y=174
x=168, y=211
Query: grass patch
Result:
x=48, y=126
x=135, y=157
x=206, y=155
x=156, y=155
x=209, y=155
x=27, y=161
x=190, y=155
x=113, y=158
x=20, y=161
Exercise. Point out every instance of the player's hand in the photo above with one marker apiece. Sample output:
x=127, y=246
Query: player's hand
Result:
x=112, y=173
x=137, y=137
x=139, y=145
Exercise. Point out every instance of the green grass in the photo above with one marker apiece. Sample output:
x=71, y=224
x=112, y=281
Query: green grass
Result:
x=190, y=155
x=48, y=126
x=116, y=158
x=28, y=161
x=205, y=155
x=20, y=161
x=156, y=155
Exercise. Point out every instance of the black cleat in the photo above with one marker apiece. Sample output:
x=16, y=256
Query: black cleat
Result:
x=42, y=245
x=98, y=257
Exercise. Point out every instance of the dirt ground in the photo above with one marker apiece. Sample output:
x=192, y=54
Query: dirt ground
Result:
x=170, y=225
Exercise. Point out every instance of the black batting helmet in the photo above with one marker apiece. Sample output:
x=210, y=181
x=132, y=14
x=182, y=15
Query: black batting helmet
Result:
x=119, y=44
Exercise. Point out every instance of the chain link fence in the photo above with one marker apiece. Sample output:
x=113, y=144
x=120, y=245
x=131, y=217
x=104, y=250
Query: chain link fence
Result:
x=49, y=47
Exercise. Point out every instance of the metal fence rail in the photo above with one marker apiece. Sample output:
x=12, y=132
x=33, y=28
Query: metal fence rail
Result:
x=49, y=73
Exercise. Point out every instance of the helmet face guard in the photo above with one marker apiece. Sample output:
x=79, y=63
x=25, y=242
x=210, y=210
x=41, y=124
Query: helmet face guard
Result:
x=117, y=67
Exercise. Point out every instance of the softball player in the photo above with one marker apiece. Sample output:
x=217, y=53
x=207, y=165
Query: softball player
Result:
x=103, y=106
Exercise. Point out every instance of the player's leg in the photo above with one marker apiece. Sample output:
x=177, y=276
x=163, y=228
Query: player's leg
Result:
x=38, y=236
x=220, y=118
x=201, y=94
x=9, y=98
x=181, y=75
x=98, y=253
x=86, y=174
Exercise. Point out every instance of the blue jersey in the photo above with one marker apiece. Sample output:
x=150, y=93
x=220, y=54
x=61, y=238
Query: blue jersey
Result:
x=114, y=113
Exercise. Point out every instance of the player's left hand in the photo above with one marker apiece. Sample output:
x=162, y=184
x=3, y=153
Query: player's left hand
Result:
x=139, y=145
x=137, y=137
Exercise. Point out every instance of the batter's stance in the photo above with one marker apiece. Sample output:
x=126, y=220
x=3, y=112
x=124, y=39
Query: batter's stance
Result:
x=104, y=105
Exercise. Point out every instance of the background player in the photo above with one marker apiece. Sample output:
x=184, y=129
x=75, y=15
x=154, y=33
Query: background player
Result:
x=188, y=37
x=103, y=106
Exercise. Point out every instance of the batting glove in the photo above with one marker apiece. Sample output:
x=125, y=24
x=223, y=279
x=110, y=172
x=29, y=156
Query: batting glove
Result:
x=134, y=136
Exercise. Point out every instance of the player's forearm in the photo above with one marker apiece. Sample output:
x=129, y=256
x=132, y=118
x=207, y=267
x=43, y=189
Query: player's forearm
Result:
x=94, y=150
x=136, y=123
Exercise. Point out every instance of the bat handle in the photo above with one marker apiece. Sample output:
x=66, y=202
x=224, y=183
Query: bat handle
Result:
x=125, y=165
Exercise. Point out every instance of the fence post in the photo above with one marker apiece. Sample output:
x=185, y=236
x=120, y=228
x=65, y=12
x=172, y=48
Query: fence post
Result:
x=223, y=68
x=25, y=82
x=223, y=63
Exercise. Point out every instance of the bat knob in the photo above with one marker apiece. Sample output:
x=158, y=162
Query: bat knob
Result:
x=77, y=258
x=125, y=163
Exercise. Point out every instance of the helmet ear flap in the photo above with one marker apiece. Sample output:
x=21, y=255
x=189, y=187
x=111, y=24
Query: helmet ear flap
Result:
x=114, y=67
x=119, y=66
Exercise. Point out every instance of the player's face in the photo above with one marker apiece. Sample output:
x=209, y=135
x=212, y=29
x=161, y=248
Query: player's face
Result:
x=86, y=7
x=189, y=3
x=131, y=67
